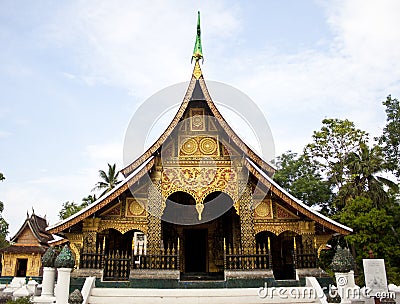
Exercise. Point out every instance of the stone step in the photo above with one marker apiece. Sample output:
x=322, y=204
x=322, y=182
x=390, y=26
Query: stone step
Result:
x=187, y=296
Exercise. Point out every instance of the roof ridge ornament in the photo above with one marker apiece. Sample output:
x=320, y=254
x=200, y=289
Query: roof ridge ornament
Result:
x=198, y=51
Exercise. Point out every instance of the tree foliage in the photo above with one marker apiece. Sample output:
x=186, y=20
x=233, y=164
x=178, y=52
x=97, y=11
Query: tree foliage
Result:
x=70, y=208
x=331, y=145
x=341, y=159
x=364, y=166
x=375, y=229
x=303, y=180
x=109, y=179
x=3, y=222
x=390, y=139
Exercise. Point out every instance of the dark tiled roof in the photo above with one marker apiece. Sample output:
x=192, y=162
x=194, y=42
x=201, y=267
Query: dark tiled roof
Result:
x=24, y=249
x=38, y=227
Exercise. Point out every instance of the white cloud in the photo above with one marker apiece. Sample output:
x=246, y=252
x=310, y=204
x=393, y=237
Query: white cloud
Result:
x=140, y=46
x=350, y=80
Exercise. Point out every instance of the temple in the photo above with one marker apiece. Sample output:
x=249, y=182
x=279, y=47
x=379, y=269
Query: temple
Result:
x=198, y=204
x=23, y=257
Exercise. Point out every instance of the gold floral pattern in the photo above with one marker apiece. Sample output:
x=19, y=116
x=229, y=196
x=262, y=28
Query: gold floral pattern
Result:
x=199, y=182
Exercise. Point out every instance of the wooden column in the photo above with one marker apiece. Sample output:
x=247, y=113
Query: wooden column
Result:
x=247, y=232
x=90, y=226
x=155, y=210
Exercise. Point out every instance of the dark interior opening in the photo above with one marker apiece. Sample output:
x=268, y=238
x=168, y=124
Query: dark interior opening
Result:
x=22, y=265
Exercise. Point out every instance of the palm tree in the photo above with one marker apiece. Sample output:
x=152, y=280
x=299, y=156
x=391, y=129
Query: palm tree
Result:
x=363, y=166
x=109, y=180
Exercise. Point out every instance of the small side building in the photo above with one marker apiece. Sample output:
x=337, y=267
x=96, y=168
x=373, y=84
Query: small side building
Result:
x=23, y=257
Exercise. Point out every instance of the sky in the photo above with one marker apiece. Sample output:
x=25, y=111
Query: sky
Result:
x=72, y=74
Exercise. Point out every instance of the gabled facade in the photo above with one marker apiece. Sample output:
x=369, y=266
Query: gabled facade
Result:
x=205, y=203
x=23, y=257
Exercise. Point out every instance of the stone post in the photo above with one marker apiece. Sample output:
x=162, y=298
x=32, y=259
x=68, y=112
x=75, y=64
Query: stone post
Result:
x=63, y=282
x=49, y=273
x=65, y=263
x=47, y=296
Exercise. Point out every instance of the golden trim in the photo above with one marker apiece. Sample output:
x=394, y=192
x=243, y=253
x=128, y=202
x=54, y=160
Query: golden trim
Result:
x=197, y=70
x=276, y=227
x=106, y=213
x=134, y=208
x=123, y=226
x=264, y=209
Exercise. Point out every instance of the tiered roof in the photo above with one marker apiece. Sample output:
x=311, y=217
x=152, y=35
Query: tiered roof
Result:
x=32, y=237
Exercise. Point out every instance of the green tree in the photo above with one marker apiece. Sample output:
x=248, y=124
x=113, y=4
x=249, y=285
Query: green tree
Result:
x=109, y=179
x=303, y=180
x=68, y=209
x=363, y=166
x=330, y=149
x=390, y=139
x=3, y=223
x=86, y=201
x=375, y=229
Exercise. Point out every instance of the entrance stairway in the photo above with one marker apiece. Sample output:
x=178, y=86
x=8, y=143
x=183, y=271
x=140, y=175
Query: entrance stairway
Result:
x=188, y=296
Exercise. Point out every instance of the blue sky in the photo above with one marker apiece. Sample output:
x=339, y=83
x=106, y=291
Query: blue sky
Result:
x=72, y=74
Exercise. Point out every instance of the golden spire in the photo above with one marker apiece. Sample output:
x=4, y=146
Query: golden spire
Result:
x=197, y=51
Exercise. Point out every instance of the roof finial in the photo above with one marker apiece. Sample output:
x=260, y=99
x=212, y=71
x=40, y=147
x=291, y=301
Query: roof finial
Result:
x=197, y=51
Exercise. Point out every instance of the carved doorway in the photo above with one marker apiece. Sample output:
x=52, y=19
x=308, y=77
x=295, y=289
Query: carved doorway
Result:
x=196, y=250
x=282, y=251
x=22, y=265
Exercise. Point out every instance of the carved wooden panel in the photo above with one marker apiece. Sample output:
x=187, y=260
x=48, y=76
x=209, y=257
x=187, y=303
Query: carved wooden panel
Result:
x=134, y=208
x=282, y=213
x=198, y=146
x=114, y=211
x=199, y=182
x=264, y=209
x=197, y=122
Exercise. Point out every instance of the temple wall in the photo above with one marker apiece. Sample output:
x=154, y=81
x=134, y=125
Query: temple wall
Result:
x=10, y=263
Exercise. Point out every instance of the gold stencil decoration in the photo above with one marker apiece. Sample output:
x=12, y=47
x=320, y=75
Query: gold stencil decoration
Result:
x=208, y=146
x=190, y=146
x=198, y=146
x=199, y=182
x=282, y=213
x=197, y=120
x=134, y=208
x=264, y=209
x=113, y=211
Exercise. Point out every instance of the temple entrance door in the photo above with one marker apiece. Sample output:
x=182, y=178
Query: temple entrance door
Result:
x=196, y=250
x=22, y=265
x=282, y=249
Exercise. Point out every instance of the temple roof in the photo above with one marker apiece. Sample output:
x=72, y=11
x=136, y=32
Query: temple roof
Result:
x=261, y=169
x=37, y=226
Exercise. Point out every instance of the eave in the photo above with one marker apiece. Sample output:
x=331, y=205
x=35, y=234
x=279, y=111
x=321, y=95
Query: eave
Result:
x=104, y=200
x=294, y=202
